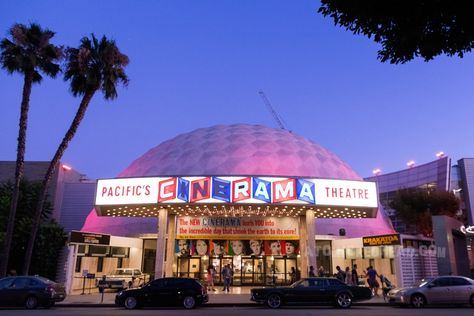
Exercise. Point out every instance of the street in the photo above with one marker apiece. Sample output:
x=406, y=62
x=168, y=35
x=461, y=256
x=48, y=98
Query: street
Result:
x=238, y=311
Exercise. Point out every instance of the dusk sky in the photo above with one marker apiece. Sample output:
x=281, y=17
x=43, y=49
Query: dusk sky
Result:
x=201, y=63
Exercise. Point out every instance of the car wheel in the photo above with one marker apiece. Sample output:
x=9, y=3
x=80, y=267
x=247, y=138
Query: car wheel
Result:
x=189, y=302
x=130, y=302
x=31, y=302
x=418, y=301
x=274, y=301
x=343, y=300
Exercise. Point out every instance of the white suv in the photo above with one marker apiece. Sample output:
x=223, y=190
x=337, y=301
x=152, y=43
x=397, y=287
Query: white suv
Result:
x=123, y=278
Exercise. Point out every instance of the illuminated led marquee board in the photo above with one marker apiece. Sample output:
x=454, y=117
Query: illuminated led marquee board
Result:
x=235, y=190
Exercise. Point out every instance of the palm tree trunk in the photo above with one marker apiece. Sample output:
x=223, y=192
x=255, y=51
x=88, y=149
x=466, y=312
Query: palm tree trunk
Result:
x=20, y=159
x=51, y=169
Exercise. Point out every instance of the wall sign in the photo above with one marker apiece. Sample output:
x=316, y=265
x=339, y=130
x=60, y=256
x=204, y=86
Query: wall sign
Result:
x=215, y=227
x=89, y=238
x=468, y=230
x=382, y=240
x=235, y=190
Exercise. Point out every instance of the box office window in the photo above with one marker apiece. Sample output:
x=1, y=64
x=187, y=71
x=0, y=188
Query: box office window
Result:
x=78, y=264
x=120, y=252
x=100, y=264
x=98, y=251
x=81, y=249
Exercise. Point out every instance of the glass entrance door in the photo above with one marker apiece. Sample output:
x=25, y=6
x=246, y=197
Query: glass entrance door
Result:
x=189, y=267
x=252, y=271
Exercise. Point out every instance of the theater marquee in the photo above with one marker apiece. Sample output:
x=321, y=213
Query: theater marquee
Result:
x=235, y=190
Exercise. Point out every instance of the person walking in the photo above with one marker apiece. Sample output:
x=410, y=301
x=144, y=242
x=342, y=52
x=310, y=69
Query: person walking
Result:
x=311, y=272
x=211, y=272
x=227, y=276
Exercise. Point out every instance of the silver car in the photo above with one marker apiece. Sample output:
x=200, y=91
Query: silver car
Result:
x=440, y=290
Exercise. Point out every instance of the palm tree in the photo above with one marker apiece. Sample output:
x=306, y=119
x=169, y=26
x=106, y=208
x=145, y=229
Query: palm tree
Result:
x=95, y=65
x=29, y=52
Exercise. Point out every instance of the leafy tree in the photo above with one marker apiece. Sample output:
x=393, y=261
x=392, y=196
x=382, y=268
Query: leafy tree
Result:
x=415, y=206
x=51, y=236
x=408, y=29
x=95, y=65
x=28, y=52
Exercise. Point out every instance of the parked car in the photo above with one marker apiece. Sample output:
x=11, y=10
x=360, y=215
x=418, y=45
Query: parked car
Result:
x=186, y=292
x=310, y=291
x=439, y=290
x=30, y=291
x=123, y=278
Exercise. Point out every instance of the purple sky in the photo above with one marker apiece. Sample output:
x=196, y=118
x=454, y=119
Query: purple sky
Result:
x=201, y=63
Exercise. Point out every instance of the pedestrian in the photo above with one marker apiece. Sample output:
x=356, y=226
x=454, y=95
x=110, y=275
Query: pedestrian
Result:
x=372, y=280
x=386, y=286
x=211, y=272
x=227, y=276
x=311, y=272
x=355, y=276
x=321, y=271
x=348, y=279
x=293, y=275
x=340, y=275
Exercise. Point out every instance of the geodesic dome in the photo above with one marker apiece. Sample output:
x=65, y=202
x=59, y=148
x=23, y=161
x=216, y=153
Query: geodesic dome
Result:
x=239, y=149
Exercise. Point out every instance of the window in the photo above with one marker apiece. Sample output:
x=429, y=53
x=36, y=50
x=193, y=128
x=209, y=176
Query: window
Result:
x=158, y=283
x=98, y=251
x=335, y=282
x=119, y=262
x=81, y=249
x=33, y=283
x=119, y=251
x=392, y=266
x=21, y=283
x=100, y=264
x=372, y=263
x=78, y=264
x=442, y=282
x=459, y=282
x=6, y=283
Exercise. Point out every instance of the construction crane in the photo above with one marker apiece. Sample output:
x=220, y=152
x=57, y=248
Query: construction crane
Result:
x=275, y=115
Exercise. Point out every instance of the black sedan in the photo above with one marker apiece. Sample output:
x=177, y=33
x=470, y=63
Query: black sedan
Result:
x=30, y=291
x=309, y=291
x=186, y=292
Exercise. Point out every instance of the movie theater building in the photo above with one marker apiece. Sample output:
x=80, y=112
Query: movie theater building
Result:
x=261, y=200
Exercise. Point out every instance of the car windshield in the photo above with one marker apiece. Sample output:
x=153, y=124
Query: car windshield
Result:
x=422, y=282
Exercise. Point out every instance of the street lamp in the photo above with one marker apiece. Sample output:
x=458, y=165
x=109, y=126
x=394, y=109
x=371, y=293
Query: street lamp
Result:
x=376, y=171
x=440, y=154
x=411, y=164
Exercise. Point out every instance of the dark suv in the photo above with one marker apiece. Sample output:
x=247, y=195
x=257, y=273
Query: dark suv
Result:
x=30, y=291
x=186, y=292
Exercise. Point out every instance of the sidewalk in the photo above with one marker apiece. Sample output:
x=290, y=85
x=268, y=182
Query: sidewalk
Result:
x=239, y=296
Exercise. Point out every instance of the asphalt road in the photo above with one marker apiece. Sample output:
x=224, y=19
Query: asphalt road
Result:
x=238, y=311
